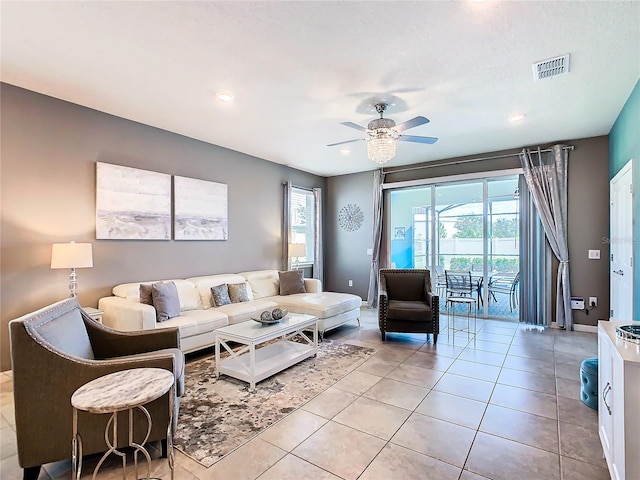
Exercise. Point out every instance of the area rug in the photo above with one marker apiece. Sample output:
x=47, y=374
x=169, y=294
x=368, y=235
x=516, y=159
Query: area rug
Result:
x=219, y=415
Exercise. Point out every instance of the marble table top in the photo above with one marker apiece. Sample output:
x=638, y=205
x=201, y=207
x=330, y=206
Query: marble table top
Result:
x=123, y=390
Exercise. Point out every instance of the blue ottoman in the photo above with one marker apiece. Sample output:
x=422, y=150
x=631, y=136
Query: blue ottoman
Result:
x=589, y=380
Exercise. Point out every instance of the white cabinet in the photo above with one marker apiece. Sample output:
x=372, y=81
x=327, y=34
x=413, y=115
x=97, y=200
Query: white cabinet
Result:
x=619, y=401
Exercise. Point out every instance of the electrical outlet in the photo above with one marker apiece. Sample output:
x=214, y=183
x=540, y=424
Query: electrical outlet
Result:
x=593, y=301
x=351, y=283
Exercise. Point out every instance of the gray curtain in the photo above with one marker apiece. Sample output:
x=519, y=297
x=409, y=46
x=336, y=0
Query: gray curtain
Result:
x=546, y=177
x=318, y=253
x=286, y=226
x=372, y=295
x=535, y=263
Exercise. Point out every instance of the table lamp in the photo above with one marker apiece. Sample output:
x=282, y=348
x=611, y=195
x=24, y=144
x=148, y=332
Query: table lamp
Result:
x=297, y=250
x=72, y=255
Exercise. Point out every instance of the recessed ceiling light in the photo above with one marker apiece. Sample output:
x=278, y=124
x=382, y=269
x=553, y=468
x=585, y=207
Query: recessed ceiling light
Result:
x=516, y=117
x=345, y=151
x=226, y=97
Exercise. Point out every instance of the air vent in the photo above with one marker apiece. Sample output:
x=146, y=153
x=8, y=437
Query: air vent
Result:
x=550, y=68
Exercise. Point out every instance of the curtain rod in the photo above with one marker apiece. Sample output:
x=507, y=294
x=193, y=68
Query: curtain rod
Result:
x=468, y=160
x=298, y=187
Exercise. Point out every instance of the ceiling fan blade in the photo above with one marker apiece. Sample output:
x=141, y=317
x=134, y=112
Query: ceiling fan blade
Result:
x=353, y=125
x=414, y=122
x=348, y=141
x=414, y=138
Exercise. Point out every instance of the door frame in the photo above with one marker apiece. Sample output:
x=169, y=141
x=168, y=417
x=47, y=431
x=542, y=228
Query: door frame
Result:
x=626, y=172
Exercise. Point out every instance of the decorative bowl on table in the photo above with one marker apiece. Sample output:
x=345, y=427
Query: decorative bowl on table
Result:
x=269, y=317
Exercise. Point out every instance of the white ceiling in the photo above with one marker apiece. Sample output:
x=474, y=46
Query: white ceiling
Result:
x=298, y=69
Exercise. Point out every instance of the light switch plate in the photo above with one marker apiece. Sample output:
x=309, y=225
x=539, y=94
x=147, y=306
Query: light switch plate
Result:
x=594, y=254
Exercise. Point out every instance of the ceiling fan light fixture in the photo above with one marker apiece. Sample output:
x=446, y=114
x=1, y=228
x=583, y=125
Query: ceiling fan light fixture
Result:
x=381, y=148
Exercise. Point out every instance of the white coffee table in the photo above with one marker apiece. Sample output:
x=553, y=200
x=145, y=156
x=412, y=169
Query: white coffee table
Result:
x=251, y=364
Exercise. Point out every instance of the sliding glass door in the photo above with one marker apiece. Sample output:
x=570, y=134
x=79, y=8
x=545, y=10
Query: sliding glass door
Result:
x=469, y=226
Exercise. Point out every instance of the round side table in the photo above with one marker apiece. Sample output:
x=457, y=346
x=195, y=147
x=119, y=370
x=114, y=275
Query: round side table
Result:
x=451, y=312
x=117, y=392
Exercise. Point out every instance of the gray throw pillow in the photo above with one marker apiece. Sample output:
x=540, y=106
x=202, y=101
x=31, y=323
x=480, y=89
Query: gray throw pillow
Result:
x=145, y=294
x=291, y=282
x=165, y=300
x=238, y=292
x=220, y=295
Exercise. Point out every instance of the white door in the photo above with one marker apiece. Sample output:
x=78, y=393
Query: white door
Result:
x=621, y=269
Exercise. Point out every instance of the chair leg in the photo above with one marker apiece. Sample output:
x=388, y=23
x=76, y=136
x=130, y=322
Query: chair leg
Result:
x=435, y=338
x=384, y=336
x=31, y=473
x=164, y=448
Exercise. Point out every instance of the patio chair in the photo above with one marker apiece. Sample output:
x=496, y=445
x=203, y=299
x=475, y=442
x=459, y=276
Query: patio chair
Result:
x=460, y=284
x=505, y=284
x=441, y=280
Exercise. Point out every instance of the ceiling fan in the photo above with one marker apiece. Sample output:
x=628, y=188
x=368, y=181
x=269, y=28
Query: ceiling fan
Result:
x=382, y=134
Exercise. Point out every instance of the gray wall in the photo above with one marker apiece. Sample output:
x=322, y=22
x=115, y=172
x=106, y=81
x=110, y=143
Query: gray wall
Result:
x=588, y=218
x=346, y=252
x=48, y=154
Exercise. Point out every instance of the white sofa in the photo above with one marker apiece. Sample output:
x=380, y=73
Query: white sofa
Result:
x=198, y=319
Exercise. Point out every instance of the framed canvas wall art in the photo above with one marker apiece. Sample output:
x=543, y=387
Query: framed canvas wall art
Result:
x=132, y=204
x=200, y=210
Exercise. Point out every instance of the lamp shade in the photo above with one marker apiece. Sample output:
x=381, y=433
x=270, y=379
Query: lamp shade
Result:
x=297, y=250
x=71, y=255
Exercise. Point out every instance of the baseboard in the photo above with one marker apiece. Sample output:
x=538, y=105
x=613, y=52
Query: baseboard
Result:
x=577, y=327
x=585, y=328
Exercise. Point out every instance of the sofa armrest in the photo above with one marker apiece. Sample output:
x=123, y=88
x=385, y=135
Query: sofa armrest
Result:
x=108, y=342
x=312, y=285
x=126, y=315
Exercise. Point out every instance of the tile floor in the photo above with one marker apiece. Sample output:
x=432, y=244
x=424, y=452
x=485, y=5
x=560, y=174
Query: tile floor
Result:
x=503, y=407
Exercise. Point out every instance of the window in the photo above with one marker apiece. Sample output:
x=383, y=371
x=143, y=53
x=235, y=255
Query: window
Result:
x=302, y=222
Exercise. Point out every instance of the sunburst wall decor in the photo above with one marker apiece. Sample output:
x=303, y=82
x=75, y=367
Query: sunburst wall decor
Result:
x=350, y=217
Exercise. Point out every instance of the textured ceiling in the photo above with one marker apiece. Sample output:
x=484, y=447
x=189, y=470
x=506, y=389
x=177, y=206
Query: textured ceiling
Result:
x=298, y=69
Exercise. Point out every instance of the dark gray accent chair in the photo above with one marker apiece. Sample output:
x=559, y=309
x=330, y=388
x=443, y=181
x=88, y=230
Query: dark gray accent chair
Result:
x=59, y=348
x=407, y=303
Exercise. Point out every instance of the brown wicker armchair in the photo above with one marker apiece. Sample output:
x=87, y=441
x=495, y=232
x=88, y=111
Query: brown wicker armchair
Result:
x=407, y=303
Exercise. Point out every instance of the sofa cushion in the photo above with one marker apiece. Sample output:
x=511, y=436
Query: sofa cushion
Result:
x=196, y=322
x=239, y=312
x=322, y=304
x=265, y=287
x=239, y=292
x=204, y=284
x=415, y=311
x=220, y=295
x=165, y=301
x=263, y=304
x=264, y=283
x=291, y=282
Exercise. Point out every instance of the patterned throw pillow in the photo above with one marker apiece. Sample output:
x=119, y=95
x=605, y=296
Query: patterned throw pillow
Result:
x=220, y=295
x=238, y=292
